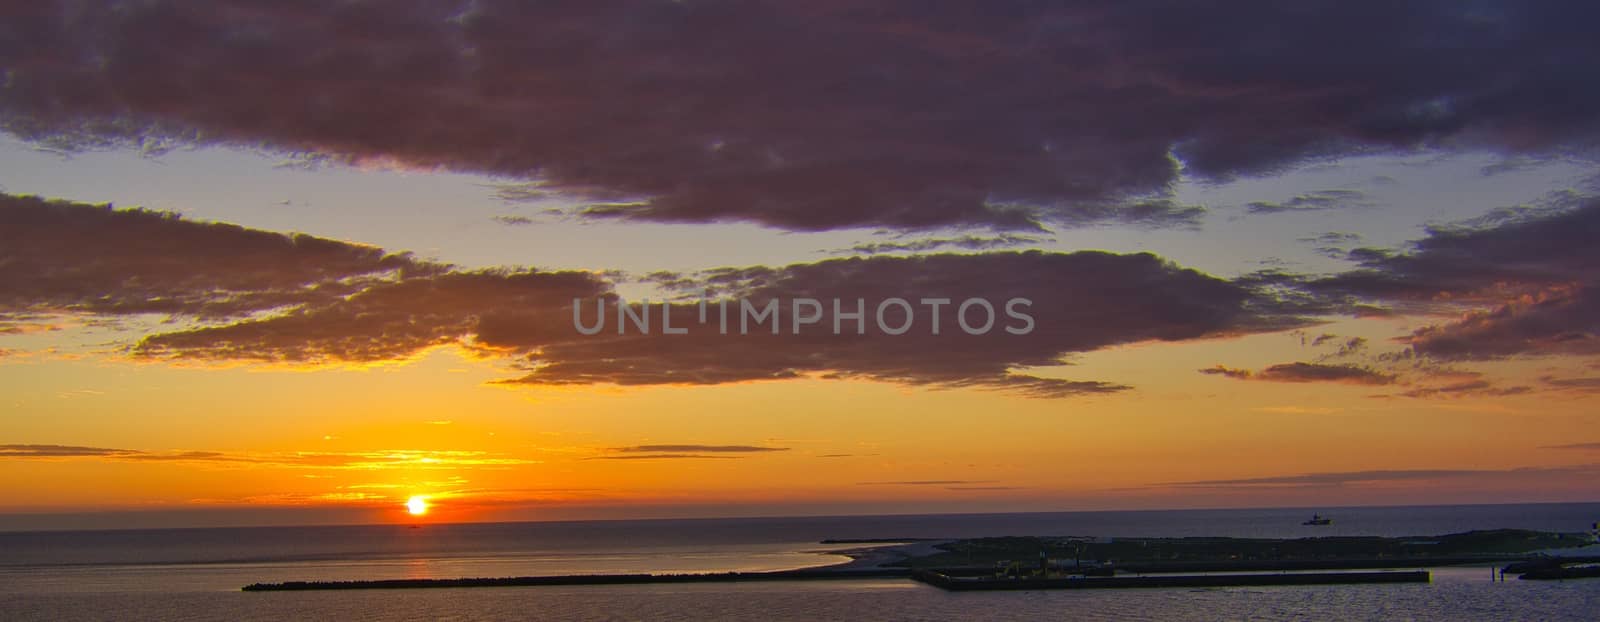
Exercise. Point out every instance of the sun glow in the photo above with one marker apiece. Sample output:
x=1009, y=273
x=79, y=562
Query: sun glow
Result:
x=417, y=505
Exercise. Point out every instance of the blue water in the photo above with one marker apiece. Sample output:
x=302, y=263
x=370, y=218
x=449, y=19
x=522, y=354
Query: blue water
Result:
x=196, y=573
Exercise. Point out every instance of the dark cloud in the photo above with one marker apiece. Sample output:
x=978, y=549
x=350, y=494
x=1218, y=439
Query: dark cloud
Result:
x=513, y=220
x=1294, y=292
x=59, y=451
x=1425, y=379
x=26, y=322
x=1318, y=372
x=1347, y=346
x=661, y=457
x=1367, y=477
x=1524, y=251
x=1582, y=446
x=1334, y=244
x=1334, y=237
x=1080, y=302
x=1513, y=164
x=73, y=451
x=181, y=456
x=1589, y=385
x=966, y=242
x=698, y=448
x=1307, y=372
x=310, y=460
x=1351, y=347
x=929, y=482
x=1468, y=388
x=1559, y=321
x=1230, y=372
x=394, y=320
x=1520, y=281
x=1147, y=213
x=530, y=192
x=58, y=257
x=811, y=115
x=1312, y=202
x=258, y=296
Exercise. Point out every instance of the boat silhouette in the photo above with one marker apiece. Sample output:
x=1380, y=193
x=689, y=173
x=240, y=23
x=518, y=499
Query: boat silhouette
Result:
x=1318, y=519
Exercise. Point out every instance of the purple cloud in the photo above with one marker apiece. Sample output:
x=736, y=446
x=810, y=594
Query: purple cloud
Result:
x=812, y=116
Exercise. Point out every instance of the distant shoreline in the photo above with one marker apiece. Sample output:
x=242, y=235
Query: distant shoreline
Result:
x=64, y=522
x=881, y=553
x=911, y=558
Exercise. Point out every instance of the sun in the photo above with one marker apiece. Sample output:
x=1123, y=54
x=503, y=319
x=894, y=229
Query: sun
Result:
x=417, y=505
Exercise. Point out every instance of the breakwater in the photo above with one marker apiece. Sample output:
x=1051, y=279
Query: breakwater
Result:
x=597, y=579
x=961, y=583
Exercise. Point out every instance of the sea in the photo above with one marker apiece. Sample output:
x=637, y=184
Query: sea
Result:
x=184, y=574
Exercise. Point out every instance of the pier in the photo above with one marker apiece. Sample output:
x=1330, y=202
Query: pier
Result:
x=595, y=579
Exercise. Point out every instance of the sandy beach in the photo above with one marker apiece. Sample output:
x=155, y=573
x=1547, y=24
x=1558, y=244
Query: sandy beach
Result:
x=868, y=557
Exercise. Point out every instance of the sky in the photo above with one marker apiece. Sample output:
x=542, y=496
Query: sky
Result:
x=301, y=263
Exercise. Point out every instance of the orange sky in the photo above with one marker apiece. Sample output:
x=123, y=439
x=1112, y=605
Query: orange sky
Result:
x=363, y=440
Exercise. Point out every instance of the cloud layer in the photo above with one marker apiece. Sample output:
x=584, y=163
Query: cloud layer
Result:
x=1079, y=301
x=1358, y=478
x=1523, y=277
x=1521, y=281
x=65, y=257
x=736, y=449
x=811, y=116
x=1311, y=202
x=1307, y=372
x=244, y=295
x=363, y=460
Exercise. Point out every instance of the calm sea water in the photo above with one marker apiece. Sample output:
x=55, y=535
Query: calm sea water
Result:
x=196, y=573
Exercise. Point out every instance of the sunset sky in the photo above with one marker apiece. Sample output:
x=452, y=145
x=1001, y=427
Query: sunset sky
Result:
x=1279, y=254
